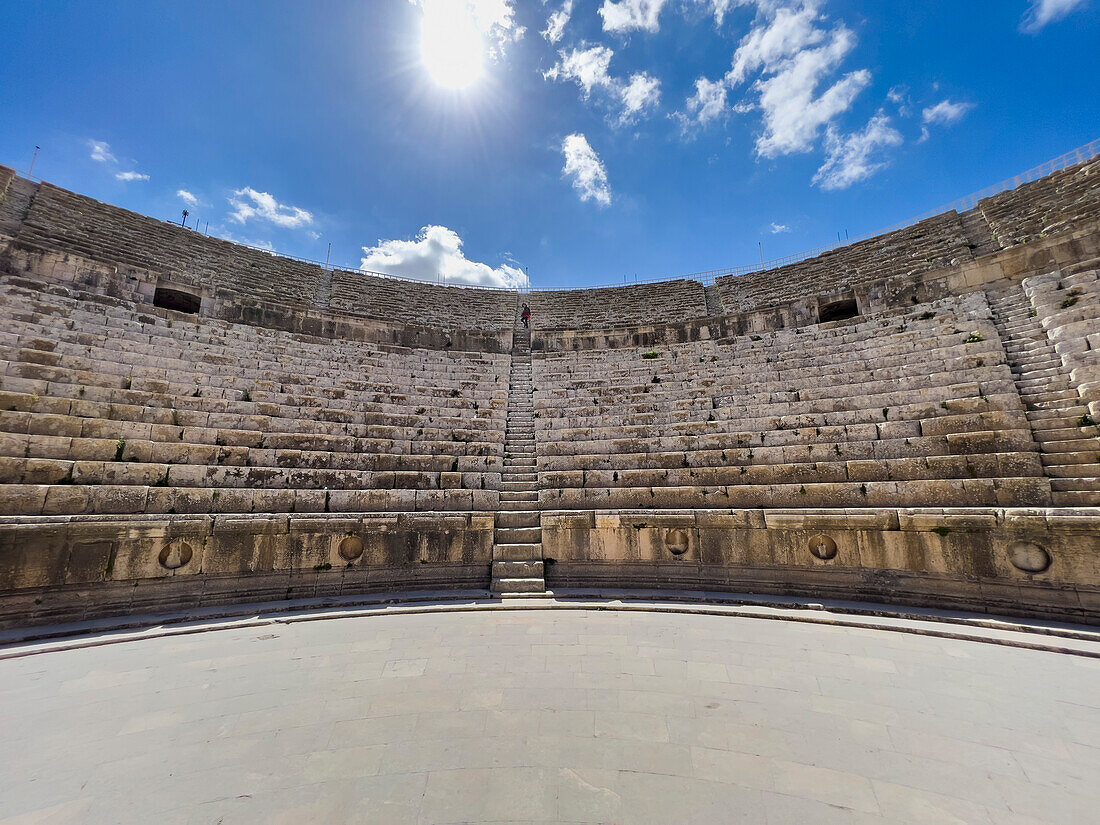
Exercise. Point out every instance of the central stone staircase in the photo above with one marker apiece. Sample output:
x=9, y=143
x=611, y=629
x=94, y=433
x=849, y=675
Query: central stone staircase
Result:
x=517, y=548
x=1054, y=407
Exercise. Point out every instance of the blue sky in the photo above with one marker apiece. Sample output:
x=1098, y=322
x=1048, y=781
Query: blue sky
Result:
x=589, y=141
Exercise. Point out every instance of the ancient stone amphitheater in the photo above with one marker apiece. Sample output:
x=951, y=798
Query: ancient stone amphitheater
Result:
x=906, y=425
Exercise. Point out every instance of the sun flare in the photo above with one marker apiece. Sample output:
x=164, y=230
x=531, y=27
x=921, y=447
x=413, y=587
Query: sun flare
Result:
x=450, y=44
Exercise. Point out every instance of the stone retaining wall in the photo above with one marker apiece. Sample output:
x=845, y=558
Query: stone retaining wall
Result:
x=1023, y=562
x=71, y=568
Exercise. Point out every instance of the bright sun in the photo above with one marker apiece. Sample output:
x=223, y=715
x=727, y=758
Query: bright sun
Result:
x=450, y=44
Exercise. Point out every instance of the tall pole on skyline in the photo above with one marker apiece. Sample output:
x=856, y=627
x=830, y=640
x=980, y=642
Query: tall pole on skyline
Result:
x=33, y=159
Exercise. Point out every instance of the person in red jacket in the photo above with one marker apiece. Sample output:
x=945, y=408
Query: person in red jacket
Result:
x=525, y=316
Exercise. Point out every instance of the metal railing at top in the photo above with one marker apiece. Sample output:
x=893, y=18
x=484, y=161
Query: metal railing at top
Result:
x=1079, y=155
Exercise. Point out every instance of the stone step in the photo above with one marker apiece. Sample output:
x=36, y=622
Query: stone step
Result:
x=505, y=586
x=514, y=496
x=523, y=505
x=518, y=535
x=525, y=477
x=517, y=552
x=520, y=462
x=1076, y=498
x=1055, y=433
x=1087, y=470
x=1064, y=485
x=1071, y=445
x=517, y=486
x=1063, y=414
x=1050, y=395
x=1038, y=364
x=1017, y=354
x=526, y=569
x=1056, y=404
x=519, y=518
x=1037, y=377
x=1063, y=459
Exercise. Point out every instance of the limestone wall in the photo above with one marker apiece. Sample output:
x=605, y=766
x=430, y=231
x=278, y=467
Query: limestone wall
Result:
x=445, y=307
x=932, y=244
x=68, y=569
x=52, y=219
x=620, y=306
x=1012, y=562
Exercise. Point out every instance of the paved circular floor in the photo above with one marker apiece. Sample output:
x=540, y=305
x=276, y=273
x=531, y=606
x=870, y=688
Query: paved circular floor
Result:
x=550, y=716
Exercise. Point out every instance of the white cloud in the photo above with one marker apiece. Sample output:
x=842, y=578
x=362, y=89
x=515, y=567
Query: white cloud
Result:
x=187, y=197
x=555, y=25
x=945, y=113
x=436, y=253
x=247, y=203
x=721, y=8
x=779, y=228
x=794, y=55
x=707, y=104
x=631, y=15
x=1047, y=11
x=852, y=158
x=588, y=68
x=898, y=94
x=641, y=93
x=586, y=170
x=101, y=151
x=494, y=19
x=775, y=38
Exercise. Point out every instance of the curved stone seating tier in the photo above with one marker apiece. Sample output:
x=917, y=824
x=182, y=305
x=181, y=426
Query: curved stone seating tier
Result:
x=115, y=410
x=447, y=307
x=891, y=410
x=320, y=433
x=49, y=218
x=1048, y=206
x=64, y=221
x=932, y=244
x=621, y=306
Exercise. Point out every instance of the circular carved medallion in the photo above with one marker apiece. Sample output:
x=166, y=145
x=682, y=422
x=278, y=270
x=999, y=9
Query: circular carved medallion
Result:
x=823, y=547
x=175, y=555
x=351, y=548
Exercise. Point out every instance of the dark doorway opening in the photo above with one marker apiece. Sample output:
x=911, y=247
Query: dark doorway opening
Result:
x=838, y=311
x=175, y=300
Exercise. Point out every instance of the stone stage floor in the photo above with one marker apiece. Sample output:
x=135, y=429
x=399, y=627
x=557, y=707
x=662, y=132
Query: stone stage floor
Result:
x=551, y=715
